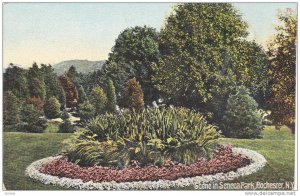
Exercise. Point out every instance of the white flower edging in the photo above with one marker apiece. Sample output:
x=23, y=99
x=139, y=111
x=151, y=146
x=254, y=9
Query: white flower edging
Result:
x=257, y=162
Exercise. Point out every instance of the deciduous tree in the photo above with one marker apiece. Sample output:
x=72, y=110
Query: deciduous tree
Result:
x=282, y=53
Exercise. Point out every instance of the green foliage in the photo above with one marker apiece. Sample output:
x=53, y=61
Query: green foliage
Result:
x=72, y=73
x=66, y=126
x=65, y=115
x=98, y=99
x=111, y=97
x=70, y=91
x=36, y=84
x=241, y=117
x=53, y=86
x=37, y=102
x=11, y=109
x=134, y=52
x=204, y=52
x=52, y=108
x=32, y=119
x=81, y=95
x=133, y=96
x=149, y=136
x=86, y=111
x=282, y=53
x=15, y=80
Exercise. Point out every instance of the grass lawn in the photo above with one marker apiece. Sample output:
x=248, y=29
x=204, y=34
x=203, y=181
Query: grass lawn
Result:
x=21, y=149
x=52, y=127
x=278, y=147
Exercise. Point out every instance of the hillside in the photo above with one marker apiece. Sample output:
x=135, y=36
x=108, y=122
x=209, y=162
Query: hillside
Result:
x=83, y=66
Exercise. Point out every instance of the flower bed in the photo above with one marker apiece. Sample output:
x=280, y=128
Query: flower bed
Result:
x=90, y=178
x=223, y=161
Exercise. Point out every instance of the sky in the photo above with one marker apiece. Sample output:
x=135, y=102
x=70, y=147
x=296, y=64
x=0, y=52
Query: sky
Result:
x=53, y=32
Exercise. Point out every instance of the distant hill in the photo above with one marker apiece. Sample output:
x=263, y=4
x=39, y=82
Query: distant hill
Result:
x=83, y=66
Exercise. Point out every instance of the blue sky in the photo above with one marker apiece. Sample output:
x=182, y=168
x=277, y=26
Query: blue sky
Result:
x=53, y=32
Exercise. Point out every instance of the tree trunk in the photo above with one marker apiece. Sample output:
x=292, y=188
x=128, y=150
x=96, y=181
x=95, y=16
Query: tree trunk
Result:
x=292, y=127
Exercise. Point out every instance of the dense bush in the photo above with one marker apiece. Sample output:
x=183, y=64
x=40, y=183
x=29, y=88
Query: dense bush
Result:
x=86, y=111
x=66, y=126
x=32, y=119
x=151, y=136
x=241, y=119
x=52, y=108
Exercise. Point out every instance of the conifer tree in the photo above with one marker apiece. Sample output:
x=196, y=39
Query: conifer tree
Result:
x=15, y=80
x=66, y=126
x=11, y=109
x=70, y=91
x=133, y=96
x=31, y=118
x=111, y=97
x=36, y=85
x=86, y=111
x=99, y=99
x=241, y=119
x=52, y=108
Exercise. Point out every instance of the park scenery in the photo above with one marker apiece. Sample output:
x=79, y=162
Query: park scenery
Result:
x=195, y=105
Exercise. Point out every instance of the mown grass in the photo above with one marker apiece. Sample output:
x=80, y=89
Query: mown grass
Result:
x=52, y=127
x=278, y=147
x=21, y=149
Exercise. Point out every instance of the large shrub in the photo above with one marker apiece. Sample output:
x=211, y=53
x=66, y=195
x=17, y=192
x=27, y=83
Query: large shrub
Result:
x=150, y=136
x=32, y=119
x=86, y=111
x=241, y=119
x=52, y=108
x=66, y=126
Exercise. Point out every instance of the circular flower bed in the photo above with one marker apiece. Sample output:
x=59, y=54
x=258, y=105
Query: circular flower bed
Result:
x=227, y=164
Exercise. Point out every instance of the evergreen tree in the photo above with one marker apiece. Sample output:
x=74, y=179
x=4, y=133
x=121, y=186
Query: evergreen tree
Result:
x=81, y=95
x=15, y=80
x=37, y=102
x=11, y=109
x=72, y=73
x=86, y=111
x=53, y=86
x=241, y=118
x=98, y=99
x=66, y=126
x=133, y=96
x=111, y=97
x=70, y=91
x=52, y=108
x=32, y=119
x=36, y=85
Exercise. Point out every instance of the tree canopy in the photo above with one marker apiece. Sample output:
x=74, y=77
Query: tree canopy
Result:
x=282, y=53
x=204, y=53
x=134, y=52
